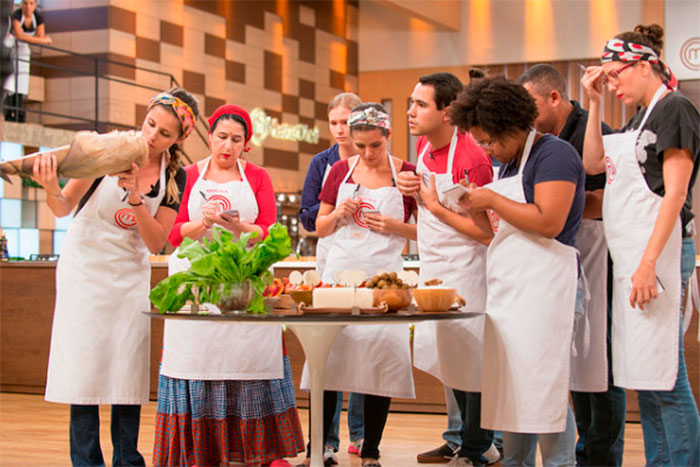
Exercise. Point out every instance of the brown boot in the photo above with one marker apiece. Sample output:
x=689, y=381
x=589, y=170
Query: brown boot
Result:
x=436, y=456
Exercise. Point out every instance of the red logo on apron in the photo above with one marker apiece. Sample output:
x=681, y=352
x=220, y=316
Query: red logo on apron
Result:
x=125, y=218
x=359, y=215
x=493, y=217
x=610, y=169
x=222, y=201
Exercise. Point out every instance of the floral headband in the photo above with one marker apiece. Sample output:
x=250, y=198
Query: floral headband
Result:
x=619, y=50
x=182, y=110
x=370, y=117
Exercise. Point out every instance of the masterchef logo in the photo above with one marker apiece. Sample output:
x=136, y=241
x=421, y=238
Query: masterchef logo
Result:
x=359, y=215
x=125, y=218
x=223, y=202
x=610, y=169
x=690, y=53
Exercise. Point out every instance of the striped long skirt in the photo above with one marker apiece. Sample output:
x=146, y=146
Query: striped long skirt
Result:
x=218, y=422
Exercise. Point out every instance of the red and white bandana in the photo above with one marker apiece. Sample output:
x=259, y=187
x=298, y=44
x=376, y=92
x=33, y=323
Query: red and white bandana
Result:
x=619, y=50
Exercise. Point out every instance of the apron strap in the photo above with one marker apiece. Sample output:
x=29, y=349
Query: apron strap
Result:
x=451, y=154
x=240, y=169
x=654, y=100
x=352, y=167
x=393, y=169
x=526, y=150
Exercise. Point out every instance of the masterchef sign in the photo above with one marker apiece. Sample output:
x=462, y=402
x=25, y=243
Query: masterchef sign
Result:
x=264, y=126
x=682, y=41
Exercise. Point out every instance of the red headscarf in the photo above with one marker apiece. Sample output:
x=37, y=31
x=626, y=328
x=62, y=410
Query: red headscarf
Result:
x=230, y=109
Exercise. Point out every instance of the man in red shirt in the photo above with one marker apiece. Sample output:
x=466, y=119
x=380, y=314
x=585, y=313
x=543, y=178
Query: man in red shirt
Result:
x=452, y=249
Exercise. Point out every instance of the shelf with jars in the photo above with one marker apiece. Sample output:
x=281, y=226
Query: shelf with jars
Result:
x=288, y=214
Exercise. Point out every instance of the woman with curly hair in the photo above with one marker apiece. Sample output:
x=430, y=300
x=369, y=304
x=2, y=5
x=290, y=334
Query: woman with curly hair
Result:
x=100, y=341
x=651, y=165
x=532, y=271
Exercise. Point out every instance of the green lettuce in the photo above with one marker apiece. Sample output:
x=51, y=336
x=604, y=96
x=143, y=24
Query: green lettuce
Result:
x=222, y=260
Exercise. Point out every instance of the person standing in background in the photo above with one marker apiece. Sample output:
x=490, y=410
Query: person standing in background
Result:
x=26, y=27
x=453, y=249
x=599, y=405
x=338, y=113
x=651, y=167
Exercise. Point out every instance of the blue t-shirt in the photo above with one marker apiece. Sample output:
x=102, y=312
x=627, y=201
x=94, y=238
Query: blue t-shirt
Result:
x=553, y=159
x=312, y=186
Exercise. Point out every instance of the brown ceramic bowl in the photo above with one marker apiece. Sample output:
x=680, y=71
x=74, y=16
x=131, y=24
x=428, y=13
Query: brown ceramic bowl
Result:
x=303, y=296
x=395, y=298
x=434, y=298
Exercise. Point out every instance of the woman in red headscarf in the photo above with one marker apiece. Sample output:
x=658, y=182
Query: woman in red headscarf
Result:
x=225, y=391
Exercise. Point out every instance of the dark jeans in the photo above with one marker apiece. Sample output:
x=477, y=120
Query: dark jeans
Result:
x=85, y=435
x=375, y=413
x=600, y=416
x=475, y=440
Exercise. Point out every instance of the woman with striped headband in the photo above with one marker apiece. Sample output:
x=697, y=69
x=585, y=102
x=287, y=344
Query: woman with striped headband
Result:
x=225, y=391
x=651, y=166
x=100, y=342
x=368, y=217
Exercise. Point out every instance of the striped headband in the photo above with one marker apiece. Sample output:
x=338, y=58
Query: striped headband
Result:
x=182, y=110
x=370, y=117
x=618, y=50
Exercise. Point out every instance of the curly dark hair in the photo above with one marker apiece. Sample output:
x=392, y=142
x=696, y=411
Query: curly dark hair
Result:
x=499, y=106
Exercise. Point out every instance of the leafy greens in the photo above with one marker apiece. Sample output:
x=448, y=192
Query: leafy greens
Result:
x=223, y=260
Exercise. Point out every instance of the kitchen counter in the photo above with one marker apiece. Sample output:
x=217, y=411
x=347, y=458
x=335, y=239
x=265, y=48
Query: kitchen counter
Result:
x=27, y=297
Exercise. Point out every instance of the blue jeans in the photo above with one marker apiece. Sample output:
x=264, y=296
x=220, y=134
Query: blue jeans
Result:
x=475, y=440
x=453, y=434
x=520, y=449
x=670, y=420
x=85, y=435
x=600, y=416
x=355, y=420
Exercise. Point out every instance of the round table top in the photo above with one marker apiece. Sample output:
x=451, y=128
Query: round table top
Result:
x=293, y=317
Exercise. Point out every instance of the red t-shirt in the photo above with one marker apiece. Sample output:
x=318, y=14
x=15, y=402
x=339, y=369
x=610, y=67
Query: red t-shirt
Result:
x=261, y=184
x=329, y=193
x=469, y=156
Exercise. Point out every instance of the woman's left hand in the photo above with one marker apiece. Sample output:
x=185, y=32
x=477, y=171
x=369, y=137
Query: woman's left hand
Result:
x=477, y=199
x=127, y=180
x=643, y=285
x=381, y=224
x=229, y=222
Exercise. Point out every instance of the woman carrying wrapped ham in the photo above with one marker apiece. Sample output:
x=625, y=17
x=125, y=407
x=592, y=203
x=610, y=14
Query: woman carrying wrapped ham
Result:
x=100, y=342
x=225, y=391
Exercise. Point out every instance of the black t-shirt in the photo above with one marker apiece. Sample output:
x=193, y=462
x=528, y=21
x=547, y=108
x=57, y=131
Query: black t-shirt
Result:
x=17, y=15
x=180, y=179
x=574, y=131
x=553, y=159
x=674, y=123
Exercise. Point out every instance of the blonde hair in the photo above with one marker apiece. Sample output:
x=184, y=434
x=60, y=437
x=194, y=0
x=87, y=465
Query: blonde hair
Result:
x=346, y=99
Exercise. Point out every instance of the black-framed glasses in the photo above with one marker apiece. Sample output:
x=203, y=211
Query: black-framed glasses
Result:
x=614, y=76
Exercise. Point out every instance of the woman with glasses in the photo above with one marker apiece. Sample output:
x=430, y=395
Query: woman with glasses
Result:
x=651, y=166
x=532, y=271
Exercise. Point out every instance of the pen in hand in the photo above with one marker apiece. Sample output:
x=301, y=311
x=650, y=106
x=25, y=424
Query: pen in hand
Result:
x=203, y=195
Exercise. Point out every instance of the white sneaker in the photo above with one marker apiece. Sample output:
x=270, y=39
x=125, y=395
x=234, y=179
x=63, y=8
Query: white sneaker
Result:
x=329, y=456
x=492, y=455
x=457, y=461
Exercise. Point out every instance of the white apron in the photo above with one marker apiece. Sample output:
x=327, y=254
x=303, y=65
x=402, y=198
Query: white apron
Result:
x=368, y=359
x=529, y=323
x=323, y=244
x=589, y=367
x=451, y=352
x=24, y=54
x=218, y=351
x=101, y=340
x=644, y=342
